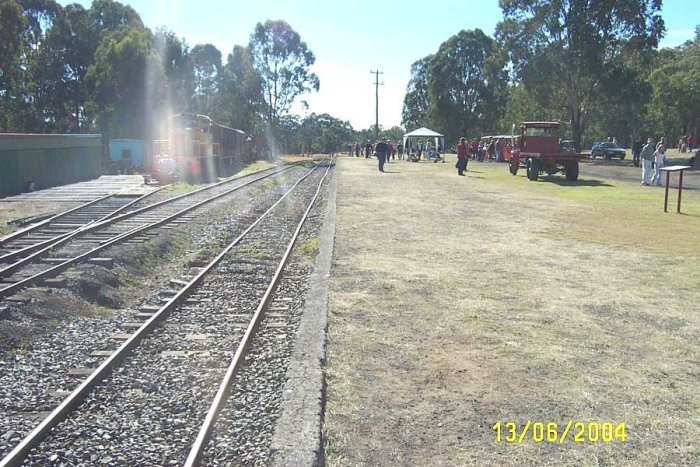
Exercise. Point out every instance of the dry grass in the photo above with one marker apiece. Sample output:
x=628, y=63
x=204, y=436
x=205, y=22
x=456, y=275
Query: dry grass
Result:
x=457, y=302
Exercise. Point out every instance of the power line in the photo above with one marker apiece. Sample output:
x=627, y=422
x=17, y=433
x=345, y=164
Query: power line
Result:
x=376, y=73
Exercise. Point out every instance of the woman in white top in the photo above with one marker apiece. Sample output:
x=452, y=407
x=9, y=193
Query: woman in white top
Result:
x=659, y=161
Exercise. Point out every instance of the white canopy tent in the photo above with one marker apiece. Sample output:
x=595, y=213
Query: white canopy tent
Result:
x=423, y=133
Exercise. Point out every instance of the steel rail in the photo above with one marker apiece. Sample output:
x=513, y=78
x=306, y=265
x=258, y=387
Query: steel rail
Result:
x=57, y=238
x=55, y=270
x=133, y=213
x=33, y=227
x=11, y=269
x=195, y=455
x=17, y=456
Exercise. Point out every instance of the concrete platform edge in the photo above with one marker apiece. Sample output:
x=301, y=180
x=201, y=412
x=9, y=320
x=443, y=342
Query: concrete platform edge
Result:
x=297, y=440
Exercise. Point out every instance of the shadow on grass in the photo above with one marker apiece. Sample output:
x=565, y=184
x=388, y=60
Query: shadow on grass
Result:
x=565, y=182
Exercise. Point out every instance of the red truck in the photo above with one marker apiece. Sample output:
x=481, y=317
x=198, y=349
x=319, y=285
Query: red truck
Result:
x=537, y=149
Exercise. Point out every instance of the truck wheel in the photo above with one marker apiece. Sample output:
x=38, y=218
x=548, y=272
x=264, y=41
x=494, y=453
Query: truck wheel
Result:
x=533, y=169
x=572, y=171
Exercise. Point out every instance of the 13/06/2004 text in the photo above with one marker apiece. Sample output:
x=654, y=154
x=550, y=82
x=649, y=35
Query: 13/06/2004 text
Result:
x=553, y=432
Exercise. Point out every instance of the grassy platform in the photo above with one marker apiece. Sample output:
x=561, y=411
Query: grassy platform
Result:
x=458, y=302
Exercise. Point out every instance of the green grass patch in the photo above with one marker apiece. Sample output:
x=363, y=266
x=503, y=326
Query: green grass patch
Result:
x=610, y=211
x=309, y=248
x=251, y=251
x=181, y=187
x=6, y=229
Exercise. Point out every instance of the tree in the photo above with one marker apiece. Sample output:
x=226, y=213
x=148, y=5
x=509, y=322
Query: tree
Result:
x=466, y=85
x=61, y=65
x=239, y=98
x=126, y=83
x=522, y=106
x=415, y=102
x=206, y=65
x=676, y=82
x=395, y=134
x=12, y=26
x=38, y=16
x=174, y=57
x=107, y=16
x=282, y=60
x=561, y=49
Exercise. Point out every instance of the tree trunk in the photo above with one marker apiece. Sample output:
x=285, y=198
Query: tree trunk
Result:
x=576, y=127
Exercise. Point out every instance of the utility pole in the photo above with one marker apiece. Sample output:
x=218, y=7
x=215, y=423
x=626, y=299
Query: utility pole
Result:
x=376, y=73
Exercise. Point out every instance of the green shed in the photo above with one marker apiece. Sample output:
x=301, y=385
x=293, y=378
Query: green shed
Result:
x=33, y=162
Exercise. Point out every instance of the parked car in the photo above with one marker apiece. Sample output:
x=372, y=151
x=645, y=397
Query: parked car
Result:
x=607, y=150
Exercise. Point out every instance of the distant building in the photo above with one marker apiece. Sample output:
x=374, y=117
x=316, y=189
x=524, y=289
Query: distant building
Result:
x=129, y=154
x=33, y=162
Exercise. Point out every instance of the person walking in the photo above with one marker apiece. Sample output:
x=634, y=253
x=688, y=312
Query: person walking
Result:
x=390, y=150
x=491, y=150
x=399, y=150
x=462, y=156
x=659, y=160
x=647, y=155
x=368, y=150
x=636, y=152
x=381, y=148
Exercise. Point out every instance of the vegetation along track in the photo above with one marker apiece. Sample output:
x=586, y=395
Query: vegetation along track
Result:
x=85, y=242
x=148, y=412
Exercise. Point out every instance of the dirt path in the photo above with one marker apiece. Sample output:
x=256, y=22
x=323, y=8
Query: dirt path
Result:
x=459, y=302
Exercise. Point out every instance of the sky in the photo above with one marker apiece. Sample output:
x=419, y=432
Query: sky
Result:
x=352, y=37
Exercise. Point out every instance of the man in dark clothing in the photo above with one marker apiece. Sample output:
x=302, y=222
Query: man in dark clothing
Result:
x=491, y=149
x=636, y=152
x=368, y=150
x=381, y=148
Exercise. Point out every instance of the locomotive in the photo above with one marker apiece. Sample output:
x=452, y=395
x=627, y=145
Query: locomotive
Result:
x=198, y=150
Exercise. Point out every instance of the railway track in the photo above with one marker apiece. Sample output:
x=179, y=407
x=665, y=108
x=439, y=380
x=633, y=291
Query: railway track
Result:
x=33, y=264
x=193, y=333
x=48, y=231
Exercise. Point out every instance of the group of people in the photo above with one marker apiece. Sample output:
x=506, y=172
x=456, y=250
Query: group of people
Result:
x=653, y=157
x=495, y=149
x=369, y=149
x=686, y=143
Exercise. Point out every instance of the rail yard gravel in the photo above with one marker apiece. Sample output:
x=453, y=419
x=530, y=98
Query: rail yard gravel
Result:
x=70, y=344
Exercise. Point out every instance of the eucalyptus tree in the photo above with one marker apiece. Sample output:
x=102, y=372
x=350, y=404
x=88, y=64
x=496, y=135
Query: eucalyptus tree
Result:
x=206, y=67
x=239, y=97
x=467, y=85
x=521, y=105
x=562, y=50
x=283, y=62
x=62, y=62
x=174, y=56
x=126, y=82
x=37, y=18
x=415, y=102
x=12, y=26
x=324, y=133
x=676, y=90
